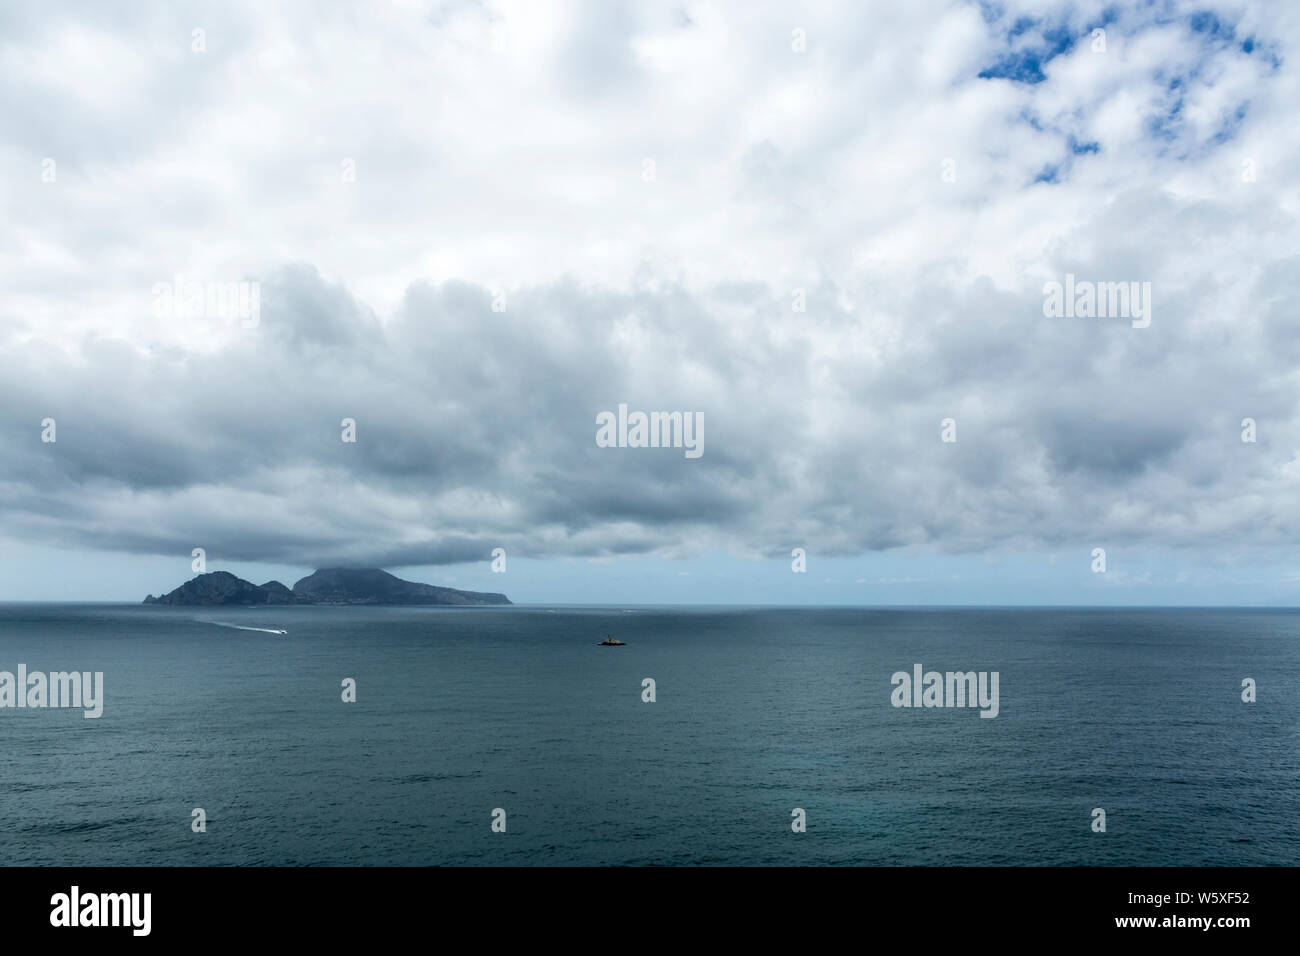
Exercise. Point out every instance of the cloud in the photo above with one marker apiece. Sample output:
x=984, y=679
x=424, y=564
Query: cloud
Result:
x=499, y=154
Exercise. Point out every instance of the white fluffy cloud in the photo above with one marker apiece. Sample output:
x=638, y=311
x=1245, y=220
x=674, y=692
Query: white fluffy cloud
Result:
x=504, y=147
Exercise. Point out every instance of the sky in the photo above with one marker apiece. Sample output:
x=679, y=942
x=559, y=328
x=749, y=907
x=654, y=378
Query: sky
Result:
x=826, y=231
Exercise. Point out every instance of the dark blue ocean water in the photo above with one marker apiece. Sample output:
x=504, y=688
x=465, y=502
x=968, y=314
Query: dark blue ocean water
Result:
x=758, y=711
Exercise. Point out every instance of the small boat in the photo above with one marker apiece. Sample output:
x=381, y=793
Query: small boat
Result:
x=610, y=642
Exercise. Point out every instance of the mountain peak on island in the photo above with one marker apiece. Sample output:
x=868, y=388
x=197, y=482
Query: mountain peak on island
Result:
x=374, y=586
x=326, y=586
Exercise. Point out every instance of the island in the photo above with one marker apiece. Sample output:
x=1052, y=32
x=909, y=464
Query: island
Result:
x=326, y=586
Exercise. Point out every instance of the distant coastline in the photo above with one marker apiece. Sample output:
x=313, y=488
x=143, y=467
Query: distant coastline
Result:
x=325, y=586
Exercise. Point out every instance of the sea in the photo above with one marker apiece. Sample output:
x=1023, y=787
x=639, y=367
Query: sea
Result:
x=494, y=736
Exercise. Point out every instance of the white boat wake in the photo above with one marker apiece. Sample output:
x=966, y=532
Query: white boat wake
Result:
x=241, y=627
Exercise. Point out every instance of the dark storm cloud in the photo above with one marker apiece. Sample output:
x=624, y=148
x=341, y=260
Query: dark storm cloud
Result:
x=476, y=429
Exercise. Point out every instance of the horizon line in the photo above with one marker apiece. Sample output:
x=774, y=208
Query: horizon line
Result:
x=736, y=604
